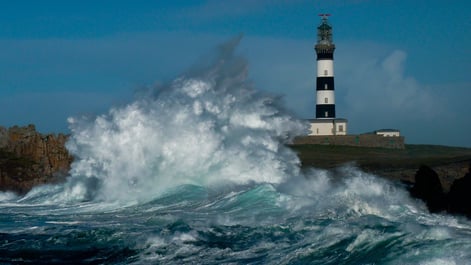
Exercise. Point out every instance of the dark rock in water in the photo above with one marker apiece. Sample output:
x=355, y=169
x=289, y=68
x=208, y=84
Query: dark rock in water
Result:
x=427, y=187
x=28, y=158
x=459, y=197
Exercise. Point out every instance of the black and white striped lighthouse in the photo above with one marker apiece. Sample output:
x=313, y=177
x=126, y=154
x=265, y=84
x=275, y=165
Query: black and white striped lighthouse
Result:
x=325, y=103
x=326, y=122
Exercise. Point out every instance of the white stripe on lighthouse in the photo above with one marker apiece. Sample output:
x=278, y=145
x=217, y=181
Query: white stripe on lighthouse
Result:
x=325, y=97
x=325, y=68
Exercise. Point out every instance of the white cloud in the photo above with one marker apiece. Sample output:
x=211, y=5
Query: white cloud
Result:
x=379, y=88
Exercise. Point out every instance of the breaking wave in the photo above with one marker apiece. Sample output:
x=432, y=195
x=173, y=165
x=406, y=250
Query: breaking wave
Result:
x=208, y=129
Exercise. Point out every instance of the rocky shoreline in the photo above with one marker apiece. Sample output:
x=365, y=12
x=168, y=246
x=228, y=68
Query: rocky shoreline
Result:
x=29, y=158
x=438, y=175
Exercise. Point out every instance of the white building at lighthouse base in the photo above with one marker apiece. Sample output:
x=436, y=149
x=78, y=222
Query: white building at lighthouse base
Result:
x=336, y=126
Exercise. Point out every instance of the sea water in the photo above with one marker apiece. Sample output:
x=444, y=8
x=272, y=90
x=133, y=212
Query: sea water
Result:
x=198, y=172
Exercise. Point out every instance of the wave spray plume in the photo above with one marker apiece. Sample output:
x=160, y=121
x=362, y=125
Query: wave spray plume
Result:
x=208, y=127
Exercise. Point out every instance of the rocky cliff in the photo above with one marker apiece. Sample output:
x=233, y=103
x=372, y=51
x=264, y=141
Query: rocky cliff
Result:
x=29, y=158
x=428, y=187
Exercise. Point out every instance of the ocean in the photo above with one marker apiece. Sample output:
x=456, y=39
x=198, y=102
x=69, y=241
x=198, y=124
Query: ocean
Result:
x=198, y=171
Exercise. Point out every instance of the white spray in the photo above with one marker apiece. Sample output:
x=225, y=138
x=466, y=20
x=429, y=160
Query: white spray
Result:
x=209, y=127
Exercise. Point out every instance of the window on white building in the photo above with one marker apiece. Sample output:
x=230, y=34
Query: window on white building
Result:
x=340, y=128
x=326, y=72
x=326, y=100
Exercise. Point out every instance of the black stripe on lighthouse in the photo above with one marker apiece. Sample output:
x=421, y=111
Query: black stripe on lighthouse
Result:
x=325, y=55
x=325, y=83
x=325, y=111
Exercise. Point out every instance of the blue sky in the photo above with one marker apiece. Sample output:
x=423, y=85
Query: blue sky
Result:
x=398, y=64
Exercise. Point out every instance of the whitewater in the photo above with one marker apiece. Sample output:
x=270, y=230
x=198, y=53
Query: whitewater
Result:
x=199, y=171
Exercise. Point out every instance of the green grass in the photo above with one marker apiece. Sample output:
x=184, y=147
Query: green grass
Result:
x=328, y=156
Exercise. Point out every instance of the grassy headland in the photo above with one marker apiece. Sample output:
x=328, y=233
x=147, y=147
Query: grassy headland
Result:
x=449, y=162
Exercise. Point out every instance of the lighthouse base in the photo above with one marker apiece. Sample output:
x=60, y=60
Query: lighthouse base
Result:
x=328, y=127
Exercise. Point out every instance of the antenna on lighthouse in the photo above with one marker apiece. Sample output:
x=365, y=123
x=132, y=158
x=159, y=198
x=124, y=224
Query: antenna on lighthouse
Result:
x=324, y=16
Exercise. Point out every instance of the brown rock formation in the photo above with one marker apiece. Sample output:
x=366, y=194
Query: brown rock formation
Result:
x=28, y=158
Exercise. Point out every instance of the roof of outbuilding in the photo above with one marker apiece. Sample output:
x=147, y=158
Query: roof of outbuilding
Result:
x=387, y=130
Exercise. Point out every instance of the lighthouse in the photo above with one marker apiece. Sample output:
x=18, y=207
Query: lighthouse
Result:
x=326, y=122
